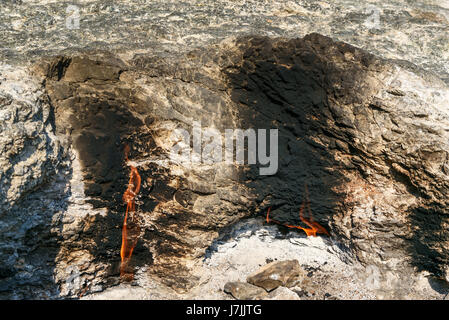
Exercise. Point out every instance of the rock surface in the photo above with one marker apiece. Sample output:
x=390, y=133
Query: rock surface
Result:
x=415, y=31
x=388, y=180
x=275, y=274
x=368, y=136
x=282, y=293
x=244, y=291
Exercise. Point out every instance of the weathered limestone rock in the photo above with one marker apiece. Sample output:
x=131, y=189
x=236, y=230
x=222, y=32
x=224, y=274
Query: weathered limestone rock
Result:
x=368, y=136
x=32, y=163
x=278, y=273
x=414, y=31
x=244, y=291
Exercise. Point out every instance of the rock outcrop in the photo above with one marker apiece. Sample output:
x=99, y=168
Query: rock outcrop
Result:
x=367, y=136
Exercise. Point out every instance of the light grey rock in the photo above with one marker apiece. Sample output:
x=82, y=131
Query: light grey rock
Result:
x=282, y=293
x=32, y=192
x=415, y=31
x=278, y=273
x=244, y=291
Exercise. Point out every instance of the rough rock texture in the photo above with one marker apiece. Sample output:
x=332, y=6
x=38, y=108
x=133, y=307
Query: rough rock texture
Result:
x=244, y=291
x=280, y=273
x=410, y=30
x=31, y=192
x=369, y=137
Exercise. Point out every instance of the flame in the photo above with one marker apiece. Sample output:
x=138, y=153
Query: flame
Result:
x=315, y=227
x=129, y=234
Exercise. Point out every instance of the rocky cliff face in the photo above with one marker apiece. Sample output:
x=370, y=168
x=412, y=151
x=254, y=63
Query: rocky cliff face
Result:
x=367, y=136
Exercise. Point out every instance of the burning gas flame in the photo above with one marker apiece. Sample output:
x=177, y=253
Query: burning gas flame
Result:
x=315, y=227
x=129, y=234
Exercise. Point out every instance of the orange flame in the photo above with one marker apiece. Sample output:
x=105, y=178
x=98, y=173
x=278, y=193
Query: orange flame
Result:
x=129, y=235
x=315, y=227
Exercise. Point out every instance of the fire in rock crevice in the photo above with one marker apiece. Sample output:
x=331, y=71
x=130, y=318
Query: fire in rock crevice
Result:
x=131, y=229
x=315, y=227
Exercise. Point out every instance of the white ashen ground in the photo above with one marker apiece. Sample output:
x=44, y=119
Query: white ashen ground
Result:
x=250, y=244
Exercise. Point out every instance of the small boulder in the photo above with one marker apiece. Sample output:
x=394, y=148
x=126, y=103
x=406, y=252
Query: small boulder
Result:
x=282, y=293
x=244, y=291
x=275, y=274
